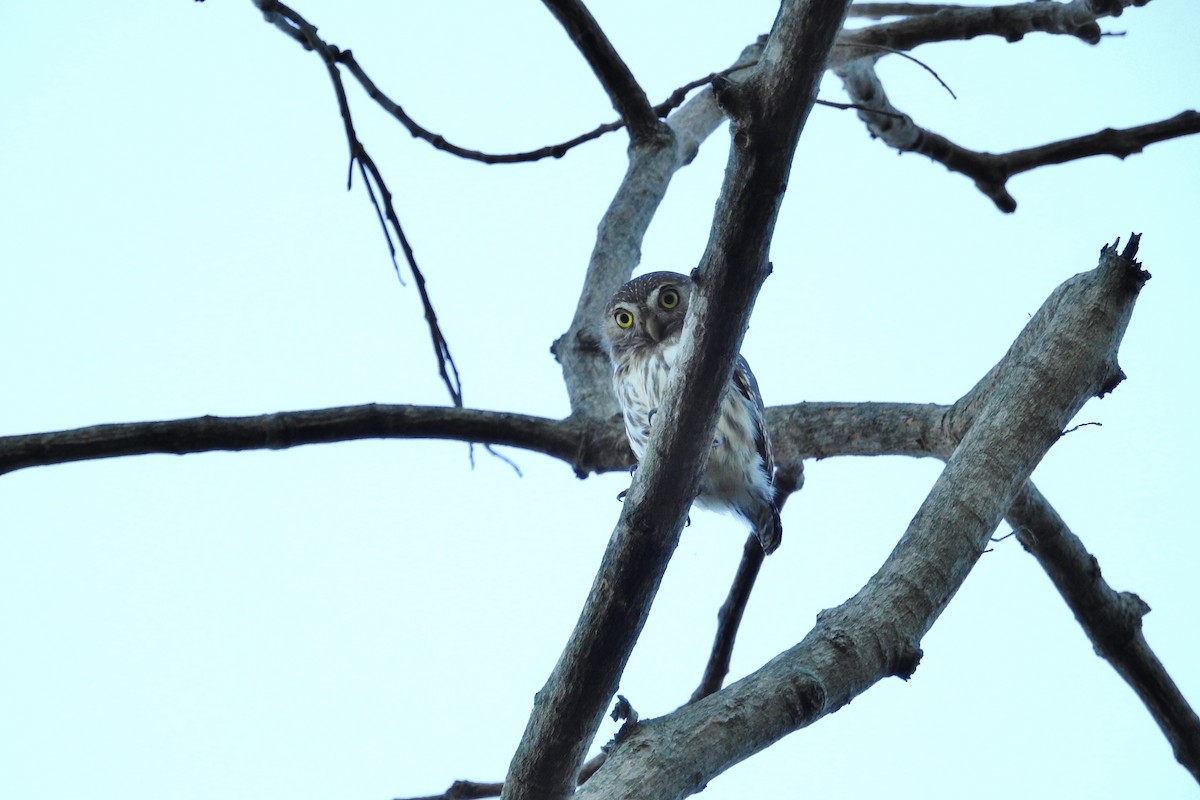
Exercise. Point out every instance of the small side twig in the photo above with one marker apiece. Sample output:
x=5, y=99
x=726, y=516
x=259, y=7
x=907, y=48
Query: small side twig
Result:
x=893, y=51
x=1074, y=428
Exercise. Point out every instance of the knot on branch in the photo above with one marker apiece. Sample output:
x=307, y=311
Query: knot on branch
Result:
x=1121, y=628
x=804, y=697
x=905, y=662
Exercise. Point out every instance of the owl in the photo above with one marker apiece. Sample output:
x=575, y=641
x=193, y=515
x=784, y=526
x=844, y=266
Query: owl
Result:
x=642, y=325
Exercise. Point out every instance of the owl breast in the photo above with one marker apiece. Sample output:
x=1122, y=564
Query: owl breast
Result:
x=639, y=381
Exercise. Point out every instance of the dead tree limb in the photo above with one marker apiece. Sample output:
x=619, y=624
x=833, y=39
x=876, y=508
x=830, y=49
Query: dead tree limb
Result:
x=1112, y=620
x=768, y=113
x=877, y=632
x=991, y=171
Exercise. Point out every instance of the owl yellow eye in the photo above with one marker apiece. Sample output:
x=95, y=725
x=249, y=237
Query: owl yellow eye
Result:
x=669, y=298
x=624, y=319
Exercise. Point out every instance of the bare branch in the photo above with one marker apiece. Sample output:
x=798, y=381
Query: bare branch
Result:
x=299, y=28
x=959, y=23
x=853, y=646
x=627, y=96
x=768, y=113
x=1111, y=619
x=991, y=171
x=587, y=447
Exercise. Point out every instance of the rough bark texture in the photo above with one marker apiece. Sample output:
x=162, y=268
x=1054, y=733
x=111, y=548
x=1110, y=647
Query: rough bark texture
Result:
x=1111, y=619
x=768, y=111
x=877, y=632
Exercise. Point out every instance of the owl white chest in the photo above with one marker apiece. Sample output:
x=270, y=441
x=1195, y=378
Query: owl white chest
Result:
x=639, y=381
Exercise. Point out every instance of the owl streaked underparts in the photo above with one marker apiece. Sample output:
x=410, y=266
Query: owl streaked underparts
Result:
x=642, y=325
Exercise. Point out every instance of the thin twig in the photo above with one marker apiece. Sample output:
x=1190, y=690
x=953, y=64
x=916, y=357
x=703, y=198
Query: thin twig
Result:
x=281, y=14
x=914, y=59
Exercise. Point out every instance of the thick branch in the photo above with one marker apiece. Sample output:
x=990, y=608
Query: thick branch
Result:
x=960, y=23
x=1111, y=619
x=989, y=170
x=775, y=101
x=806, y=430
x=628, y=97
x=881, y=10
x=877, y=633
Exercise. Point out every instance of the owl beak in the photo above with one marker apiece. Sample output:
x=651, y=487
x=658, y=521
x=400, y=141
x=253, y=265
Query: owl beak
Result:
x=654, y=329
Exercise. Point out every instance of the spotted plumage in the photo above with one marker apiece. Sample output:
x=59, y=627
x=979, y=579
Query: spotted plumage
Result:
x=642, y=326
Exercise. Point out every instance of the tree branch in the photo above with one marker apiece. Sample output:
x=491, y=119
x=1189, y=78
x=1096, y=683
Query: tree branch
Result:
x=587, y=447
x=627, y=96
x=789, y=478
x=991, y=171
x=804, y=430
x=301, y=29
x=1111, y=619
x=769, y=111
x=587, y=373
x=855, y=645
x=960, y=23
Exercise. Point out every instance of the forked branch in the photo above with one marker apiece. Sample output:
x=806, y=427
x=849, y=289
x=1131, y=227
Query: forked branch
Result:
x=991, y=171
x=296, y=26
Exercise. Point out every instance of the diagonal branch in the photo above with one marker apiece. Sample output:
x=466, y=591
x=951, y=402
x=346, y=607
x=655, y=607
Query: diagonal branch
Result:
x=627, y=96
x=618, y=249
x=991, y=171
x=1111, y=619
x=854, y=646
x=769, y=111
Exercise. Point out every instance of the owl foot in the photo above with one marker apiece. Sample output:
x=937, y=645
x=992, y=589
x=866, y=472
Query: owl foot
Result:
x=632, y=469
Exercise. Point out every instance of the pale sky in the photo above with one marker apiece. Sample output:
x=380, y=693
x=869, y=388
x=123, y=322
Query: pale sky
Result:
x=371, y=620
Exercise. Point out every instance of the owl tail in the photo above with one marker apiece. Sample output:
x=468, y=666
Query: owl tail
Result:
x=768, y=528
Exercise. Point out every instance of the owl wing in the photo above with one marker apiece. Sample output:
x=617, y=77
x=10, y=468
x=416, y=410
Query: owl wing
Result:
x=747, y=386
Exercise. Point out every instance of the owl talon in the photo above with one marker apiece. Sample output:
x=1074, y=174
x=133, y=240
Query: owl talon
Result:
x=650, y=416
x=621, y=496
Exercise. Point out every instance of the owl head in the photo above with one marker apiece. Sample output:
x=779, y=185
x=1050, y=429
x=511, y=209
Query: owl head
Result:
x=647, y=312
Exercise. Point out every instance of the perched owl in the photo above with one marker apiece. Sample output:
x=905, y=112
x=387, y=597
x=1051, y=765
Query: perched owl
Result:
x=642, y=325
